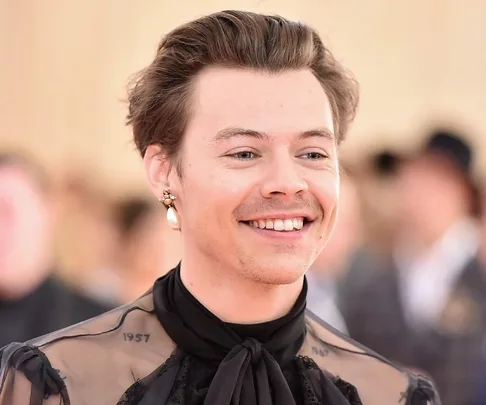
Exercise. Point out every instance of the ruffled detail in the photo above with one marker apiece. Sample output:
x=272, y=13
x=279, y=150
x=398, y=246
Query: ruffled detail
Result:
x=36, y=367
x=181, y=381
x=349, y=391
x=322, y=388
x=422, y=392
x=134, y=394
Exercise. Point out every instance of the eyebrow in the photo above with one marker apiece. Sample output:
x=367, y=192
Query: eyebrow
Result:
x=229, y=133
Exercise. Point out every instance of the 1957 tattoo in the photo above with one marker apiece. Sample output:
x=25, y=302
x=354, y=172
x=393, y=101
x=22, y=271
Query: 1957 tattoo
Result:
x=136, y=337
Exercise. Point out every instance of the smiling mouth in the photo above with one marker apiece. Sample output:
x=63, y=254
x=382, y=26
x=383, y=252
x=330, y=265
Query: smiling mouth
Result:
x=279, y=225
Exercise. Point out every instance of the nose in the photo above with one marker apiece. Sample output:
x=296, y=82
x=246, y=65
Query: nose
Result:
x=283, y=178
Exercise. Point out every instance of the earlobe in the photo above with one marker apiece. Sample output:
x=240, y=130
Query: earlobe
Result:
x=157, y=169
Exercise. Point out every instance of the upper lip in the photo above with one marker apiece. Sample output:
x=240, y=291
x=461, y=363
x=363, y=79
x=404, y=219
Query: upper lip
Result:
x=284, y=215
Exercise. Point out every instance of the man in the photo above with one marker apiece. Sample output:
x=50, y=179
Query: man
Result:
x=238, y=119
x=32, y=301
x=427, y=310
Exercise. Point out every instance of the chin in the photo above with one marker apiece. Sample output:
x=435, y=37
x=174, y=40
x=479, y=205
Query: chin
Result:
x=282, y=271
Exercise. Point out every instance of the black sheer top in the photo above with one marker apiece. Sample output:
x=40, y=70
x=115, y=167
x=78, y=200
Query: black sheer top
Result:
x=166, y=348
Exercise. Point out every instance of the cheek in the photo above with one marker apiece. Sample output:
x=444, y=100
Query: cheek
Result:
x=212, y=198
x=326, y=190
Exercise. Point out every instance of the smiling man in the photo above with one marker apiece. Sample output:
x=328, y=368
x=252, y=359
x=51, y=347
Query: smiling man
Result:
x=238, y=119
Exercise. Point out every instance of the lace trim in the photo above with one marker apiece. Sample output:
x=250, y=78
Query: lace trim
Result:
x=178, y=394
x=349, y=391
x=183, y=387
x=134, y=394
x=306, y=364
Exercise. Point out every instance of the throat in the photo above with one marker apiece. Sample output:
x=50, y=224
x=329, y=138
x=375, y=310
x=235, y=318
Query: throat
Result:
x=241, y=302
x=260, y=331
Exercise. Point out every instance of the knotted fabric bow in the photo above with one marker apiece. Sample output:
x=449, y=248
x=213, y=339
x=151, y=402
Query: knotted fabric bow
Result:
x=45, y=380
x=248, y=372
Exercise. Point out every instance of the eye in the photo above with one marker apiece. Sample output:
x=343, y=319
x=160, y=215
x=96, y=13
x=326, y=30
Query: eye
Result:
x=244, y=155
x=314, y=156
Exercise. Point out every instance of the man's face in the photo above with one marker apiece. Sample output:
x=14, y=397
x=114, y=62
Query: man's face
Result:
x=260, y=176
x=429, y=190
x=25, y=227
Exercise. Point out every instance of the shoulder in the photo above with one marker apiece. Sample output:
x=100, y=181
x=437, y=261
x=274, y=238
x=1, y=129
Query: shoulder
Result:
x=377, y=380
x=107, y=354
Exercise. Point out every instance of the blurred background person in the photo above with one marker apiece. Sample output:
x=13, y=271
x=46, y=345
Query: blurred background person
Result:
x=33, y=301
x=375, y=190
x=112, y=248
x=427, y=308
x=86, y=236
x=142, y=245
x=481, y=376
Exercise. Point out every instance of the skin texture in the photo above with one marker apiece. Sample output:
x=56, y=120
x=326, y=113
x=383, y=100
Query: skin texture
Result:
x=257, y=145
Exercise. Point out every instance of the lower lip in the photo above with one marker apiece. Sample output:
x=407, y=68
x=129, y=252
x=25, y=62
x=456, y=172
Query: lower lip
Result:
x=280, y=235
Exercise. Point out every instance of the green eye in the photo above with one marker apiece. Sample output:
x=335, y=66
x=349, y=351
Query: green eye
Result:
x=314, y=156
x=245, y=155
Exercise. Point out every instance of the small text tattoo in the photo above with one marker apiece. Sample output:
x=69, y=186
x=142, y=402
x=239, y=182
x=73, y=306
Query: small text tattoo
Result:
x=136, y=337
x=319, y=351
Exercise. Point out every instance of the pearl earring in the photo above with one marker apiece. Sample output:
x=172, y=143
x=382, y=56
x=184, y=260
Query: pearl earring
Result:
x=172, y=215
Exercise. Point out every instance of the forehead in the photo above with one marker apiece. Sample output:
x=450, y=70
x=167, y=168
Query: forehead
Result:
x=288, y=102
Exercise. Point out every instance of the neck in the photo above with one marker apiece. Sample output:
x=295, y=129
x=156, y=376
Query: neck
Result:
x=232, y=297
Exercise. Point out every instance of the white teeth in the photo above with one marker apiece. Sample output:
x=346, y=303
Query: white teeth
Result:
x=287, y=225
x=278, y=225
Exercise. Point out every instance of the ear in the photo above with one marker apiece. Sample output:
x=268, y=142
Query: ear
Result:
x=157, y=168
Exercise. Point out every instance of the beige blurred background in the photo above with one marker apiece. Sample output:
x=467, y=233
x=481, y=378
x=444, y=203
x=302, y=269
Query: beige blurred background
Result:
x=65, y=64
x=409, y=229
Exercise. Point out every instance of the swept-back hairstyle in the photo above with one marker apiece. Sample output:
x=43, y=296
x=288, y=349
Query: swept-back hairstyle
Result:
x=159, y=96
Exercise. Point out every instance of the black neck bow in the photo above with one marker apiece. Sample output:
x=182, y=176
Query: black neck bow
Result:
x=246, y=371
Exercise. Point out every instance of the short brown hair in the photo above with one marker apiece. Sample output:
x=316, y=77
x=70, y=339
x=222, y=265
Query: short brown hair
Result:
x=159, y=94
